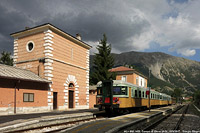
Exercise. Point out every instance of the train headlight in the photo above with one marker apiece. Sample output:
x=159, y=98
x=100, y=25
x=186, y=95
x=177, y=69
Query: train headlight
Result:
x=115, y=99
x=100, y=100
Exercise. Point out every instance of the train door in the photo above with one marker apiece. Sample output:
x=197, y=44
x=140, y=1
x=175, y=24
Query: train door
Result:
x=107, y=91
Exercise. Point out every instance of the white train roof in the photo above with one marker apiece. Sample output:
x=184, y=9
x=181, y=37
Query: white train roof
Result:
x=116, y=82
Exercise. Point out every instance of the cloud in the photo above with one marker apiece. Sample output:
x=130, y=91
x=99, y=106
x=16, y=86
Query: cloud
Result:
x=187, y=52
x=129, y=25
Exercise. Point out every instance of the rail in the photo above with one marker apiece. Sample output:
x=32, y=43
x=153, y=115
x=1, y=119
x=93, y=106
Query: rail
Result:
x=196, y=107
x=181, y=118
x=157, y=122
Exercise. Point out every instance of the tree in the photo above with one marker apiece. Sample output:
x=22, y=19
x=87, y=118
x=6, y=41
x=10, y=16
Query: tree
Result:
x=103, y=61
x=6, y=58
x=197, y=97
x=177, y=94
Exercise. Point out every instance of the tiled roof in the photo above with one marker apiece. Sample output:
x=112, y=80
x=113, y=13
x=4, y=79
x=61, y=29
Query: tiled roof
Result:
x=121, y=68
x=18, y=73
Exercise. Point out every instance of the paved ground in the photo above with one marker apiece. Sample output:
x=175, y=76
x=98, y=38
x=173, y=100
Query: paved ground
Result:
x=115, y=123
x=6, y=120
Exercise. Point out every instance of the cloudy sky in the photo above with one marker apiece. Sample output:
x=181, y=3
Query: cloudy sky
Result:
x=170, y=26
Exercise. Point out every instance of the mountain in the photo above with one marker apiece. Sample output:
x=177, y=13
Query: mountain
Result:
x=167, y=72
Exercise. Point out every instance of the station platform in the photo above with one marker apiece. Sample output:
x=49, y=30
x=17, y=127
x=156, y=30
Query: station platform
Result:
x=134, y=121
x=114, y=124
x=19, y=120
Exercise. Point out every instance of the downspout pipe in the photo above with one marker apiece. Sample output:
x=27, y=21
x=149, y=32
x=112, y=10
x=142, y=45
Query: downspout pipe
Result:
x=15, y=96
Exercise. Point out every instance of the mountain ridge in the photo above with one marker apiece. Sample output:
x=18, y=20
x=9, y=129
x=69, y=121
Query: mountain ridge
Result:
x=167, y=72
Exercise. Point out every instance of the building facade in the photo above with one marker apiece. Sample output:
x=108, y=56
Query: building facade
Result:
x=22, y=91
x=130, y=75
x=93, y=95
x=58, y=57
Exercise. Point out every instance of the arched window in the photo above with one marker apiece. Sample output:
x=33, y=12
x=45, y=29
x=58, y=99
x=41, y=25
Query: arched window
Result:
x=71, y=85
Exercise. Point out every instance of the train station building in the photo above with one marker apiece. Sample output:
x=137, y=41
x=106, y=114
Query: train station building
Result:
x=60, y=60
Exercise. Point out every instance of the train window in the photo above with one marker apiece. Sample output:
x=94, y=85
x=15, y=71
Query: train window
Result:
x=124, y=90
x=135, y=93
x=132, y=92
x=119, y=90
x=116, y=90
x=151, y=95
x=139, y=94
x=99, y=91
x=160, y=97
x=143, y=94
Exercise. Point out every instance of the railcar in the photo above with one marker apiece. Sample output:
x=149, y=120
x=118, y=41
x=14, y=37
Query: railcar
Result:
x=119, y=96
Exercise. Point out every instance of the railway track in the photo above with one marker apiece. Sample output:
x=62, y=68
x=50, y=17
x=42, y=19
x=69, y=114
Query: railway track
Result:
x=191, y=120
x=169, y=122
x=53, y=128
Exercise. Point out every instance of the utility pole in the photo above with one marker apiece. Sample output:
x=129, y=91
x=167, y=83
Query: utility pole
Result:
x=149, y=90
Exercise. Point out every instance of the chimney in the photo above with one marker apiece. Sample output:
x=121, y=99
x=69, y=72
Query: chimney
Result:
x=78, y=36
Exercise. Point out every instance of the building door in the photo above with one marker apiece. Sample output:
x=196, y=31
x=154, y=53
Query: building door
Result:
x=54, y=100
x=71, y=99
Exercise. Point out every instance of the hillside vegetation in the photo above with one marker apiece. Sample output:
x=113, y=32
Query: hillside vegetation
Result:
x=167, y=72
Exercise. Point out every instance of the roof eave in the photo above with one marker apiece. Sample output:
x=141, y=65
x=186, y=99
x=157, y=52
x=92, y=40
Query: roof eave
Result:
x=130, y=71
x=46, y=26
x=25, y=79
x=68, y=36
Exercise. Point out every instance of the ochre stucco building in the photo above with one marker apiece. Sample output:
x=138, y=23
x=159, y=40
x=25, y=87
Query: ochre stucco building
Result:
x=58, y=57
x=130, y=75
